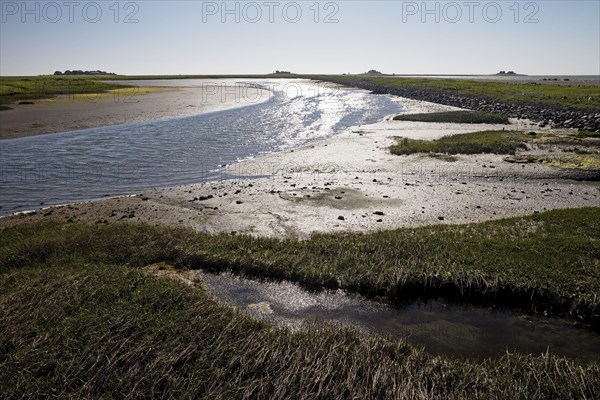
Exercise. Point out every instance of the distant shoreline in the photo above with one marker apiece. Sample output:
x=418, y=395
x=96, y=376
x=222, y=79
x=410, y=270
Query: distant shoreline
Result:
x=562, y=80
x=587, y=80
x=121, y=106
x=65, y=112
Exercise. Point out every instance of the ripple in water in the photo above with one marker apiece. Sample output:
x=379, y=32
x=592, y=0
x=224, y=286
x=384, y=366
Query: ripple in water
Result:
x=89, y=164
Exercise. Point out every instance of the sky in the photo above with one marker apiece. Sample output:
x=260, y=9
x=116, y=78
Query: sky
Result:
x=256, y=37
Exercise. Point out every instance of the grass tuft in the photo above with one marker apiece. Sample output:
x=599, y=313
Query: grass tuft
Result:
x=564, y=150
x=496, y=142
x=458, y=117
x=588, y=134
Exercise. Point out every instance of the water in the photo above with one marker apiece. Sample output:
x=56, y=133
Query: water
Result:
x=458, y=330
x=122, y=159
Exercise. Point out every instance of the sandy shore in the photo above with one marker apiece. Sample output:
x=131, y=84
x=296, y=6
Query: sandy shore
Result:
x=349, y=183
x=122, y=106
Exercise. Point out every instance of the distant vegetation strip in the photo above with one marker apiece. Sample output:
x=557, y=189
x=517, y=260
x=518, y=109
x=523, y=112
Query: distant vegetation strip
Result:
x=569, y=97
x=562, y=96
x=32, y=89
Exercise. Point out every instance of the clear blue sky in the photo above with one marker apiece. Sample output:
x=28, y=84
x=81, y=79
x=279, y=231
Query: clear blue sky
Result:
x=200, y=37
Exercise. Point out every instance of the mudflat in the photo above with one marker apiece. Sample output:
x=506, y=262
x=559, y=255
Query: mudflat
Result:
x=120, y=106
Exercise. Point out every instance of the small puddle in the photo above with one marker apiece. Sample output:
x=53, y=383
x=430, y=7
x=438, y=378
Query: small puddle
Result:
x=458, y=330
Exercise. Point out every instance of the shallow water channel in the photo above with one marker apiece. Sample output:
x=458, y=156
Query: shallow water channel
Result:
x=95, y=163
x=458, y=330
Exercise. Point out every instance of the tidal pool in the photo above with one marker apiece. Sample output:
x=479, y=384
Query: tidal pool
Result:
x=458, y=330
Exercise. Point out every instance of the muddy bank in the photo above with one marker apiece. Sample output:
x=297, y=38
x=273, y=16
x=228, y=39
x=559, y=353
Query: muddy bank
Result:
x=122, y=106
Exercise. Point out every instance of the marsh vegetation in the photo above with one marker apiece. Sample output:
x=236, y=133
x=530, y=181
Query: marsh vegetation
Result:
x=81, y=318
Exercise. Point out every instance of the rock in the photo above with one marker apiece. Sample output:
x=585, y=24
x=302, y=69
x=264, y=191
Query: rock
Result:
x=378, y=213
x=341, y=218
x=263, y=307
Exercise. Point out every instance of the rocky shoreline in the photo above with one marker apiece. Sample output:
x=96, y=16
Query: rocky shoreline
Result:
x=555, y=117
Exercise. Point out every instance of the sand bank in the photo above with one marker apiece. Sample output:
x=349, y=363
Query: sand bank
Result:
x=121, y=106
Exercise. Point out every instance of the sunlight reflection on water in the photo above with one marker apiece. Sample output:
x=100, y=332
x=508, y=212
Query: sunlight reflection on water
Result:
x=122, y=159
x=454, y=329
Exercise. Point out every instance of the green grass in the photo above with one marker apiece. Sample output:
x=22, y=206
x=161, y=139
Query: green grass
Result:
x=547, y=262
x=14, y=89
x=77, y=322
x=569, y=97
x=578, y=150
x=586, y=134
x=496, y=142
x=88, y=330
x=80, y=318
x=460, y=117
